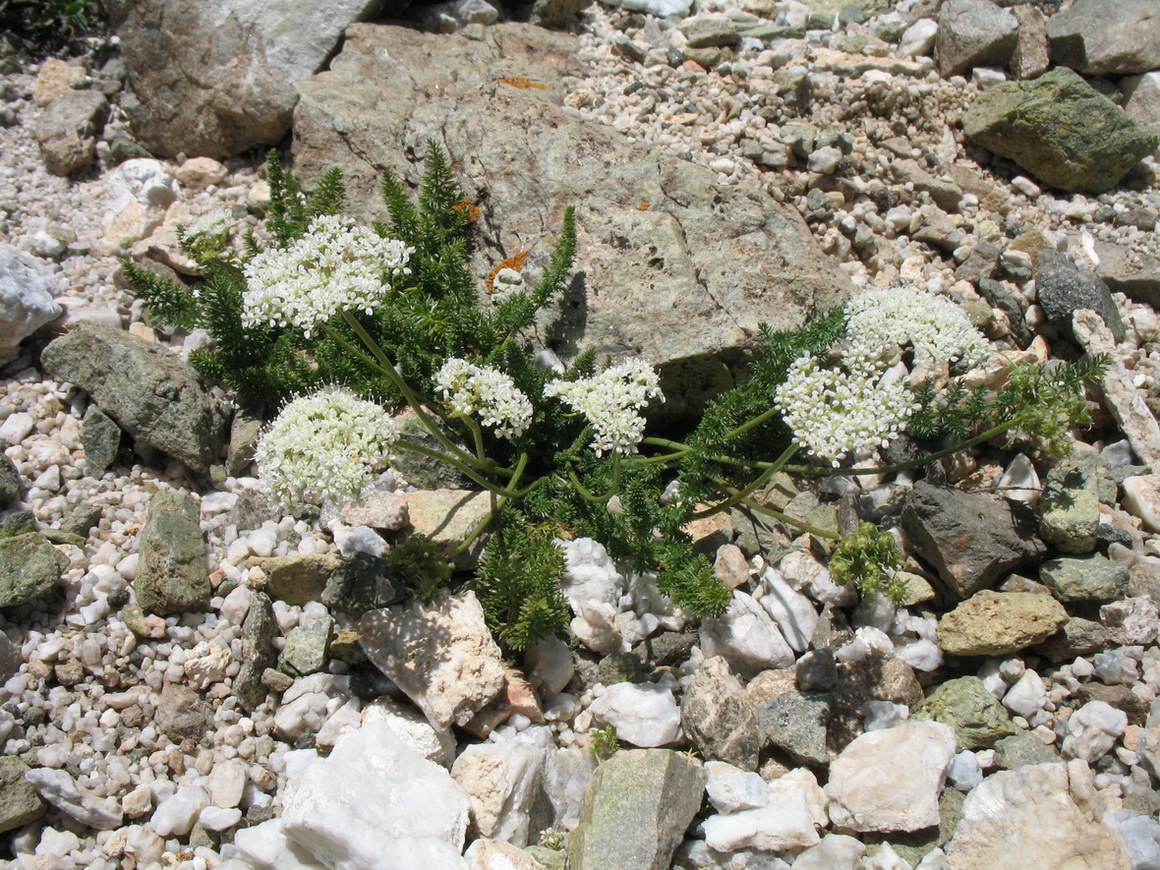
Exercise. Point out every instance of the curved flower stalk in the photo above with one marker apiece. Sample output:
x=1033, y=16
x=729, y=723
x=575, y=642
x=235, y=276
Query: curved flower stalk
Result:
x=329, y=445
x=334, y=267
x=611, y=401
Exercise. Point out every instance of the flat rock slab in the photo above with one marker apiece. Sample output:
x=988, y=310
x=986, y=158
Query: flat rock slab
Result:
x=670, y=265
x=153, y=395
x=1060, y=129
x=1044, y=815
x=971, y=538
x=997, y=623
x=636, y=810
x=1106, y=37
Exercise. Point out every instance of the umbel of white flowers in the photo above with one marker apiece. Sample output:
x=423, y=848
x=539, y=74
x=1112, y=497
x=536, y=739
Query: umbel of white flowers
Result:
x=336, y=266
x=859, y=403
x=611, y=402
x=471, y=390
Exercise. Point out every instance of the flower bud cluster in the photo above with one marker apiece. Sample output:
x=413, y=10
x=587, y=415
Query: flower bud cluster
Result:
x=611, y=402
x=478, y=390
x=334, y=267
x=325, y=446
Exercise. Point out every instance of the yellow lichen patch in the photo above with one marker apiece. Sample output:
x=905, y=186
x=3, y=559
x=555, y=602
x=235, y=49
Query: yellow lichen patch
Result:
x=516, y=261
x=521, y=82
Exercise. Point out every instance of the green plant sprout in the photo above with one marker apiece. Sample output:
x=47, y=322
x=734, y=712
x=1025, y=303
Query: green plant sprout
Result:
x=336, y=325
x=603, y=743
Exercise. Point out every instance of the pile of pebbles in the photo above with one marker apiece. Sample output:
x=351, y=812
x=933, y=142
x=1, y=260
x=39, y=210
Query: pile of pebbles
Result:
x=87, y=694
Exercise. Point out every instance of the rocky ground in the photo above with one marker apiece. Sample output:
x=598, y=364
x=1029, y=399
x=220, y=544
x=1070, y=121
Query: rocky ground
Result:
x=1005, y=717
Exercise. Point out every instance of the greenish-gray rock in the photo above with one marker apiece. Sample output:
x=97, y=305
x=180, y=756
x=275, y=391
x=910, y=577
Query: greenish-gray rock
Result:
x=1069, y=512
x=1077, y=637
x=29, y=568
x=1060, y=129
x=245, y=430
x=9, y=482
x=150, y=392
x=258, y=654
x=1022, y=749
x=1090, y=578
x=298, y=578
x=180, y=712
x=991, y=623
x=550, y=858
x=636, y=810
x=19, y=522
x=171, y=573
x=306, y=647
x=19, y=802
x=101, y=438
x=424, y=472
x=798, y=724
x=977, y=718
x=618, y=667
x=10, y=658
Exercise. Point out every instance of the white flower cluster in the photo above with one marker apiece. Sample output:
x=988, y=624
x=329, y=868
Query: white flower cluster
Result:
x=611, y=401
x=335, y=267
x=212, y=225
x=881, y=320
x=470, y=389
x=325, y=446
x=835, y=411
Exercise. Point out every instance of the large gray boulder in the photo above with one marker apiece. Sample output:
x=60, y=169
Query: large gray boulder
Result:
x=1060, y=129
x=1107, y=37
x=671, y=265
x=1142, y=99
x=973, y=33
x=153, y=395
x=215, y=77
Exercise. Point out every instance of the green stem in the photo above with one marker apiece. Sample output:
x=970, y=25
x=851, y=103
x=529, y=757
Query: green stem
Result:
x=455, y=463
x=790, y=521
x=742, y=494
x=612, y=490
x=749, y=424
x=497, y=504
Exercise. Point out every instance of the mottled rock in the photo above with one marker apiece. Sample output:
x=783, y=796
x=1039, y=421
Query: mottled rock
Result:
x=1077, y=637
x=67, y=130
x=1106, y=37
x=361, y=583
x=718, y=717
x=101, y=438
x=1060, y=129
x=1024, y=748
x=10, y=658
x=797, y=723
x=875, y=678
x=19, y=802
x=973, y=33
x=259, y=629
x=1089, y=578
x=447, y=517
x=10, y=483
x=636, y=810
x=307, y=646
x=684, y=283
x=975, y=715
x=29, y=568
x=171, y=575
x=181, y=713
x=1069, y=512
x=1064, y=288
x=298, y=578
x=502, y=780
x=972, y=539
x=441, y=654
x=890, y=780
x=1047, y=815
x=1030, y=57
x=153, y=395
x=993, y=623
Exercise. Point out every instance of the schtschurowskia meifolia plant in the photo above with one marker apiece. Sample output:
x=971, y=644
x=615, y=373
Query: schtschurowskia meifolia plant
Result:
x=338, y=325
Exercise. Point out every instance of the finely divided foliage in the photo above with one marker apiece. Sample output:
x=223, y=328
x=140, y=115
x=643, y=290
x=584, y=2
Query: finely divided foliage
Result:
x=390, y=316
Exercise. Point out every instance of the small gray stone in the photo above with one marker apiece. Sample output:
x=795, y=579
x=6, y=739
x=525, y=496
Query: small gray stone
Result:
x=10, y=658
x=710, y=30
x=817, y=671
x=181, y=713
x=1069, y=512
x=636, y=810
x=172, y=576
x=798, y=723
x=244, y=433
x=29, y=568
x=719, y=718
x=1063, y=289
x=101, y=438
x=67, y=130
x=973, y=33
x=360, y=584
x=306, y=647
x=81, y=520
x=298, y=578
x=1021, y=749
x=257, y=638
x=1106, y=37
x=19, y=802
x=554, y=13
x=1092, y=578
x=9, y=482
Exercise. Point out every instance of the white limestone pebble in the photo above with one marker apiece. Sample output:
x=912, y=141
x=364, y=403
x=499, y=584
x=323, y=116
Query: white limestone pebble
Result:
x=918, y=39
x=793, y=612
x=502, y=780
x=731, y=789
x=227, y=782
x=890, y=780
x=413, y=729
x=643, y=714
x=177, y=815
x=1092, y=731
x=746, y=636
x=219, y=818
x=59, y=789
x=374, y=802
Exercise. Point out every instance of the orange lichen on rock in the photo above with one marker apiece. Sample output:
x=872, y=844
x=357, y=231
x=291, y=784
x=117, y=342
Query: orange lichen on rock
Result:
x=464, y=206
x=516, y=261
x=521, y=82
x=644, y=205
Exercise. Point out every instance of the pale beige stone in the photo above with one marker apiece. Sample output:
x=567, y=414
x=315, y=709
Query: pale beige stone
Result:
x=55, y=79
x=198, y=173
